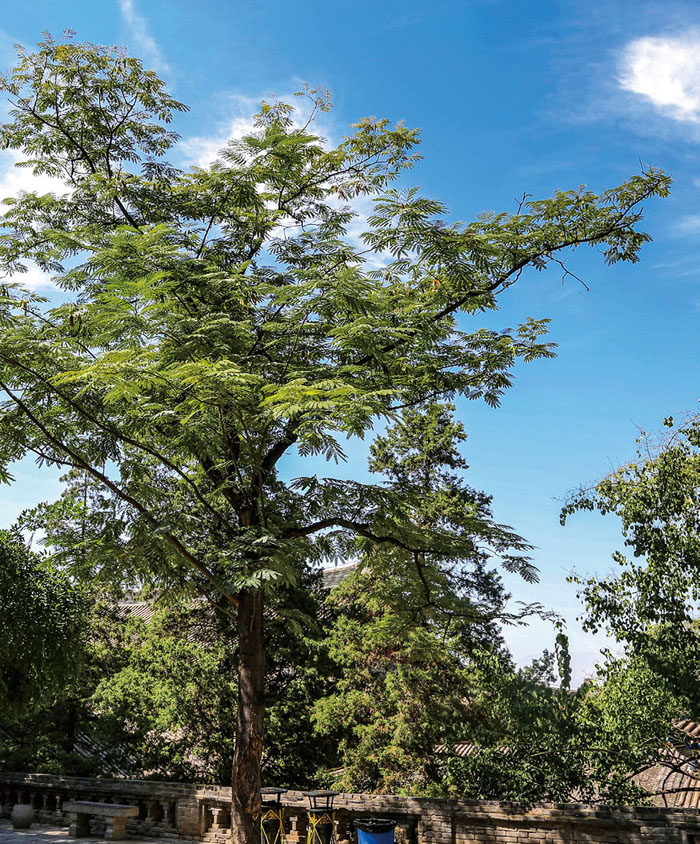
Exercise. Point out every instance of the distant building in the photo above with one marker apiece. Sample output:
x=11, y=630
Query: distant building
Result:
x=133, y=607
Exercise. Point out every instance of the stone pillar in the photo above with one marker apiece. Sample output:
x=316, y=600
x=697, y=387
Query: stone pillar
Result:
x=204, y=818
x=116, y=829
x=187, y=817
x=216, y=815
x=167, y=809
x=79, y=825
x=298, y=825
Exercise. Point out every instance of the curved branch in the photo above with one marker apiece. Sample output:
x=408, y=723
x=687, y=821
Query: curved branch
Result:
x=120, y=493
x=505, y=279
x=120, y=435
x=360, y=528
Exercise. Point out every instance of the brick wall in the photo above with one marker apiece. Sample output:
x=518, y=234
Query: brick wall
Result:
x=200, y=812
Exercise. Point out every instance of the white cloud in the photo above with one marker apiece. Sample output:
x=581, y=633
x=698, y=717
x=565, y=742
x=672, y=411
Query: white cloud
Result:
x=690, y=224
x=34, y=279
x=141, y=36
x=240, y=109
x=14, y=180
x=665, y=70
x=203, y=150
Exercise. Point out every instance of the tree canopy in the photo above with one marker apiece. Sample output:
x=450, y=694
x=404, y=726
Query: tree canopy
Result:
x=649, y=604
x=407, y=624
x=43, y=617
x=214, y=319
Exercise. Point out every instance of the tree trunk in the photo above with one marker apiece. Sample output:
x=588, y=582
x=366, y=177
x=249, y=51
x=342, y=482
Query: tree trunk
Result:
x=245, y=807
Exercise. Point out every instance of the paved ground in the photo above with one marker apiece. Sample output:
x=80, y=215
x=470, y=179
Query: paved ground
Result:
x=42, y=834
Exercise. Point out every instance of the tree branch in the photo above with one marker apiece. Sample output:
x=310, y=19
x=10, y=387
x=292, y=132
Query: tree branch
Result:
x=504, y=278
x=120, y=493
x=120, y=435
x=360, y=528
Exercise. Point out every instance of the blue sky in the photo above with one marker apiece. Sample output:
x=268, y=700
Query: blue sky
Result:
x=511, y=96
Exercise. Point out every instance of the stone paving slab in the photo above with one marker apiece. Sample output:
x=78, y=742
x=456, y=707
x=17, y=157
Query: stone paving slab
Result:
x=43, y=834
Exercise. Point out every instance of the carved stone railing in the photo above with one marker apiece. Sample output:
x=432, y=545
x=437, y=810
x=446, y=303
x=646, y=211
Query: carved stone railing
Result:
x=215, y=815
x=157, y=802
x=202, y=812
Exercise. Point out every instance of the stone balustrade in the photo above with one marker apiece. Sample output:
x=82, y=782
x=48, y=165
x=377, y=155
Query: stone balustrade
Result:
x=202, y=813
x=46, y=793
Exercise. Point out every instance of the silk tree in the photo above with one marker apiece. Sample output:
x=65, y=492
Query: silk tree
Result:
x=217, y=319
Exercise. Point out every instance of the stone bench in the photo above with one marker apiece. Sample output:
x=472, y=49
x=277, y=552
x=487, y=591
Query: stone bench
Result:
x=115, y=815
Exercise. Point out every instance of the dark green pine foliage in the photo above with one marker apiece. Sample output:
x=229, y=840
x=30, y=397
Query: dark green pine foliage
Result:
x=410, y=623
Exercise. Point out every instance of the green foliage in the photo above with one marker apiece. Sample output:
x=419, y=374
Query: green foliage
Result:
x=157, y=699
x=172, y=704
x=630, y=715
x=400, y=693
x=534, y=739
x=525, y=743
x=50, y=736
x=650, y=604
x=221, y=316
x=408, y=624
x=419, y=457
x=42, y=613
x=422, y=664
x=216, y=318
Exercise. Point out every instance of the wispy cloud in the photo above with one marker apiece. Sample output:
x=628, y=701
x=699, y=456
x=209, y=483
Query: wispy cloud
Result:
x=33, y=279
x=689, y=224
x=13, y=181
x=665, y=70
x=141, y=36
x=238, y=112
x=203, y=150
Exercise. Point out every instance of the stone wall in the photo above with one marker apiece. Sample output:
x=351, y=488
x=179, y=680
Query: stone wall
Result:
x=201, y=812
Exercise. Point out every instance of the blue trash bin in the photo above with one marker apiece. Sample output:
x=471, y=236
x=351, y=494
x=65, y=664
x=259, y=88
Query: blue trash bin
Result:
x=375, y=830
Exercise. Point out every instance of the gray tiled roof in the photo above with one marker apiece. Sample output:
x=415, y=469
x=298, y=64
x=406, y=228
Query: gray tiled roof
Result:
x=675, y=784
x=133, y=608
x=333, y=577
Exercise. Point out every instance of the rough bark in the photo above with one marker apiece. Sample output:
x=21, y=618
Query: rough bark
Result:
x=245, y=807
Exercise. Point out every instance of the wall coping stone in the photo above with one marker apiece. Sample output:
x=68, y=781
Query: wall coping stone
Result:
x=435, y=816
